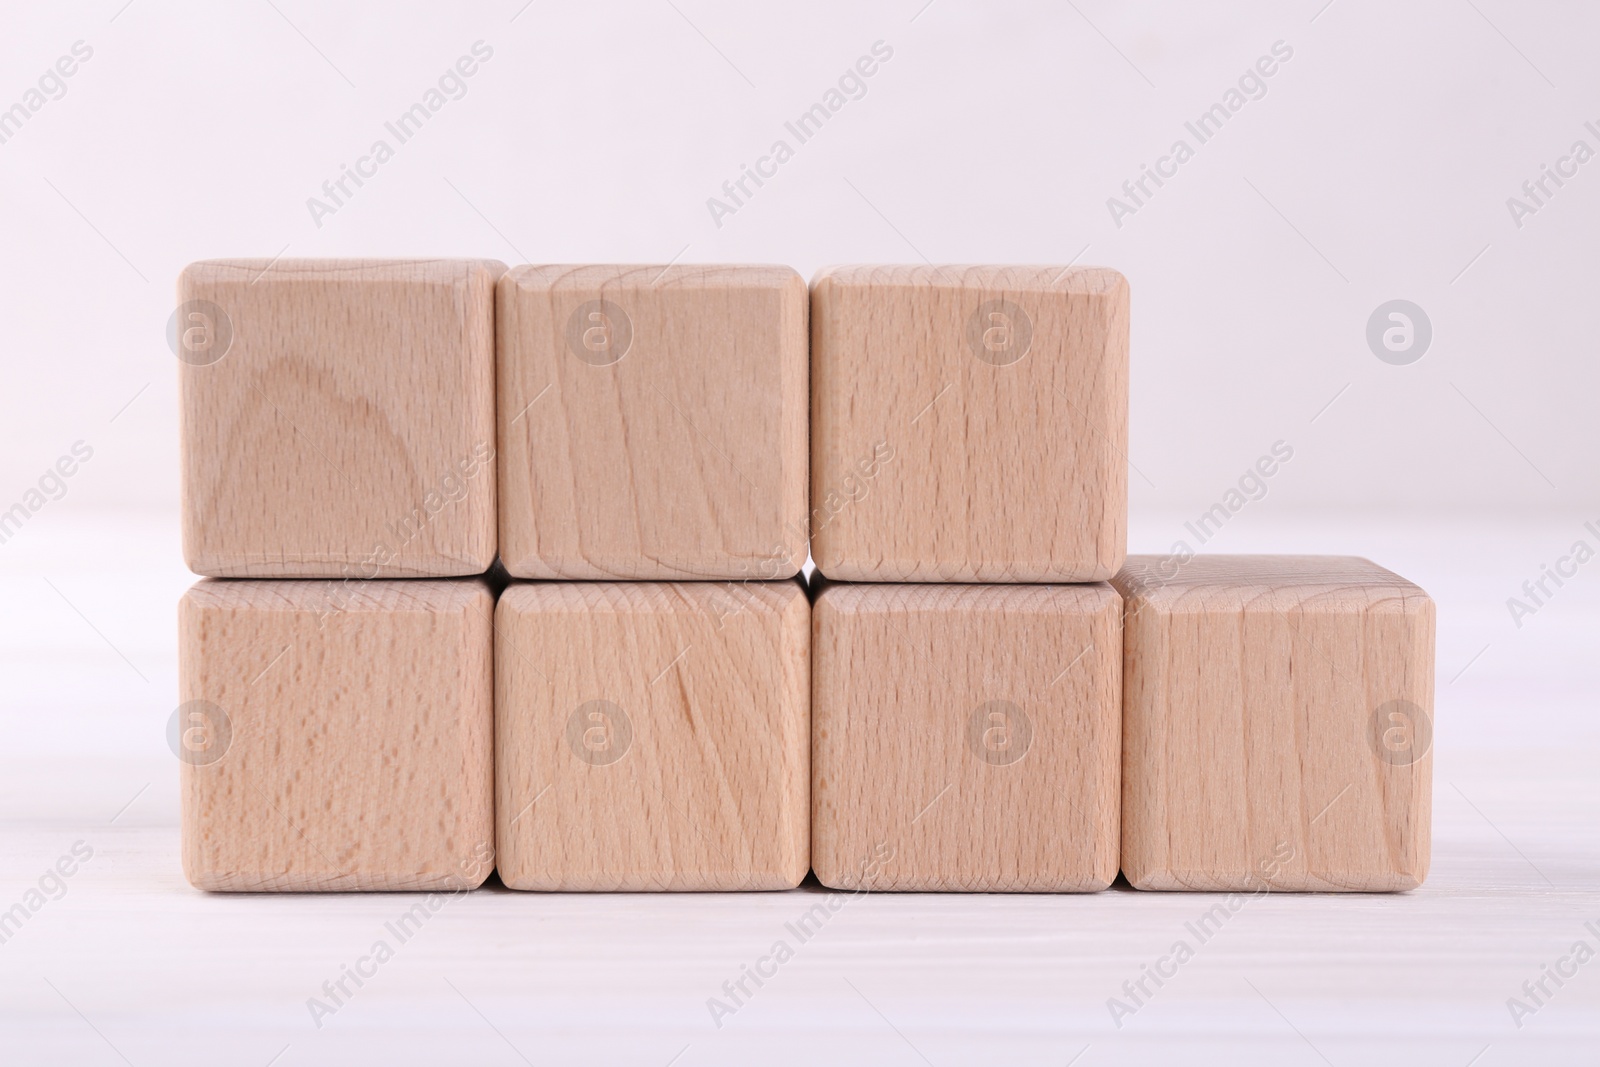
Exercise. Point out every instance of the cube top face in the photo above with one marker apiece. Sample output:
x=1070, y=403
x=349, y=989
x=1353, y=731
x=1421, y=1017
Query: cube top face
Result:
x=967, y=737
x=338, y=417
x=653, y=736
x=653, y=422
x=336, y=736
x=1263, y=583
x=1278, y=724
x=969, y=423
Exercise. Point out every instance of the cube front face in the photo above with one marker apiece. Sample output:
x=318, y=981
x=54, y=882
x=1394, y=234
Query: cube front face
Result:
x=336, y=736
x=653, y=736
x=1278, y=724
x=653, y=422
x=966, y=737
x=969, y=424
x=338, y=417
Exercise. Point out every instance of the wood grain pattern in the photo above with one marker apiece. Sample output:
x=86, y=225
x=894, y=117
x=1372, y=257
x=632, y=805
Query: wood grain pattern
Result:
x=969, y=423
x=347, y=428
x=653, y=735
x=1277, y=724
x=966, y=737
x=653, y=422
x=354, y=748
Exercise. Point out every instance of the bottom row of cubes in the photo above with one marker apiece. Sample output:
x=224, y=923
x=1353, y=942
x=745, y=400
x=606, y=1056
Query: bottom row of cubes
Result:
x=417, y=735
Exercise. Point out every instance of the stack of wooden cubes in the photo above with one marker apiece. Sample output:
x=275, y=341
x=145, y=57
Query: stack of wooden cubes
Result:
x=978, y=691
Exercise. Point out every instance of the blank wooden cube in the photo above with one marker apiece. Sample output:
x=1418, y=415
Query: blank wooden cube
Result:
x=969, y=423
x=652, y=735
x=336, y=736
x=966, y=737
x=337, y=417
x=1277, y=724
x=653, y=422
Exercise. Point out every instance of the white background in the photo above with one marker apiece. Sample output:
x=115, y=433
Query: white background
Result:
x=596, y=133
x=1377, y=166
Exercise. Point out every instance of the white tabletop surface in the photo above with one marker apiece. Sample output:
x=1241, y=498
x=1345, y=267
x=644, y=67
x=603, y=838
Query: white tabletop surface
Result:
x=131, y=965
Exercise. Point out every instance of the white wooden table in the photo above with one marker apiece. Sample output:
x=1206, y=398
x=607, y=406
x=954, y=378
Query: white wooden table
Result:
x=131, y=965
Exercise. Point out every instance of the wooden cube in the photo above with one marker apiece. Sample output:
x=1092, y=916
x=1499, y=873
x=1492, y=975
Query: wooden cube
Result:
x=336, y=735
x=652, y=735
x=1277, y=724
x=337, y=417
x=969, y=423
x=966, y=737
x=653, y=422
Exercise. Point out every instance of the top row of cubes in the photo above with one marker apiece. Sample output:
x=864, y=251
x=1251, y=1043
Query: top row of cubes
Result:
x=380, y=418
